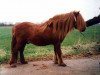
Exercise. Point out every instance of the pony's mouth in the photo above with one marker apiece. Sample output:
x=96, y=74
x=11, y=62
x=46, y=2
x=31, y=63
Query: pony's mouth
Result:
x=82, y=30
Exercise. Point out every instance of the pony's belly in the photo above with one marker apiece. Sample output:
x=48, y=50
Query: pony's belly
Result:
x=40, y=42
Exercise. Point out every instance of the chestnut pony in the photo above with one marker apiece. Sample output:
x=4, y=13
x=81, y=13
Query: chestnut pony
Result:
x=51, y=32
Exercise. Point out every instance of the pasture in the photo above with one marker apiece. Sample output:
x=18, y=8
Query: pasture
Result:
x=74, y=44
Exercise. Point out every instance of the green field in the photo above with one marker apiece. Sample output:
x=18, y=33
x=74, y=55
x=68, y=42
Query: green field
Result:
x=74, y=43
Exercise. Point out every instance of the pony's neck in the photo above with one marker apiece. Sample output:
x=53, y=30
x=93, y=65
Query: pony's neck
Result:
x=69, y=25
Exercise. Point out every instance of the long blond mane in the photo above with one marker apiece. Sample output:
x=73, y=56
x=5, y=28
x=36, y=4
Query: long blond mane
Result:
x=64, y=23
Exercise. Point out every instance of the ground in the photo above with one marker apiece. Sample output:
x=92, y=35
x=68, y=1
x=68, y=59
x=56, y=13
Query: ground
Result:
x=76, y=66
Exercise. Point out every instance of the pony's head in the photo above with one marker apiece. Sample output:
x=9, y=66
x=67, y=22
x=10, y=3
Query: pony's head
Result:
x=80, y=24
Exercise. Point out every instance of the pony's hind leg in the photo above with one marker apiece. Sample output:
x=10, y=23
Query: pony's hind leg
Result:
x=14, y=58
x=17, y=46
x=14, y=52
x=22, y=59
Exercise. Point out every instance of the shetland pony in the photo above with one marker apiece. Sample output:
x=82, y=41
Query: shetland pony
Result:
x=51, y=32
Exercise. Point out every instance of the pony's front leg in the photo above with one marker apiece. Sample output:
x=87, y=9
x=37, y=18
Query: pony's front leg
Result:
x=55, y=57
x=58, y=55
x=14, y=56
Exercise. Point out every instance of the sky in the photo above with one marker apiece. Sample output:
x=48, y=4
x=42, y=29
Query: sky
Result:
x=37, y=11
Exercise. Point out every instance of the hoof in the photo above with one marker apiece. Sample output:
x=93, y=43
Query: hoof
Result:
x=63, y=65
x=13, y=65
x=24, y=62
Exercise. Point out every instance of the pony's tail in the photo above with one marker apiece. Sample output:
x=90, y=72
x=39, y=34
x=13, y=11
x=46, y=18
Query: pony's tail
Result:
x=13, y=42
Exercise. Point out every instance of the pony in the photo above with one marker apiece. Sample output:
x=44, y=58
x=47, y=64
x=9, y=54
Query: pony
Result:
x=51, y=32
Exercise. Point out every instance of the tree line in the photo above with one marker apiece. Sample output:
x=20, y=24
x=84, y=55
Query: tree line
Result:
x=6, y=24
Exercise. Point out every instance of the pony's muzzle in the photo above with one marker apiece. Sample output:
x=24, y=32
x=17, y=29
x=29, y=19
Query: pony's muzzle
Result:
x=83, y=30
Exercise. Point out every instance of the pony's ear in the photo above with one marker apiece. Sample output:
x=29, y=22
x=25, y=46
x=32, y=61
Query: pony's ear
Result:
x=76, y=13
x=50, y=25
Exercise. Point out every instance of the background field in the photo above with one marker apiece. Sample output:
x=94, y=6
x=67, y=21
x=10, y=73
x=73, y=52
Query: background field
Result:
x=74, y=44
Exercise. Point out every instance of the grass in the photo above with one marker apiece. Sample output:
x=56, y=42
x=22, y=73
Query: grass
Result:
x=74, y=43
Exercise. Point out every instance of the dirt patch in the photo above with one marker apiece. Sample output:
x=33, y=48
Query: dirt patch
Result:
x=40, y=66
x=83, y=66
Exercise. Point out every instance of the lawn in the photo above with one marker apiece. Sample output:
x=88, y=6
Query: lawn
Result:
x=74, y=43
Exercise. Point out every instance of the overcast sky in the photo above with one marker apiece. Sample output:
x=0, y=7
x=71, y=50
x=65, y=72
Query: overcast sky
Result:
x=41, y=10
